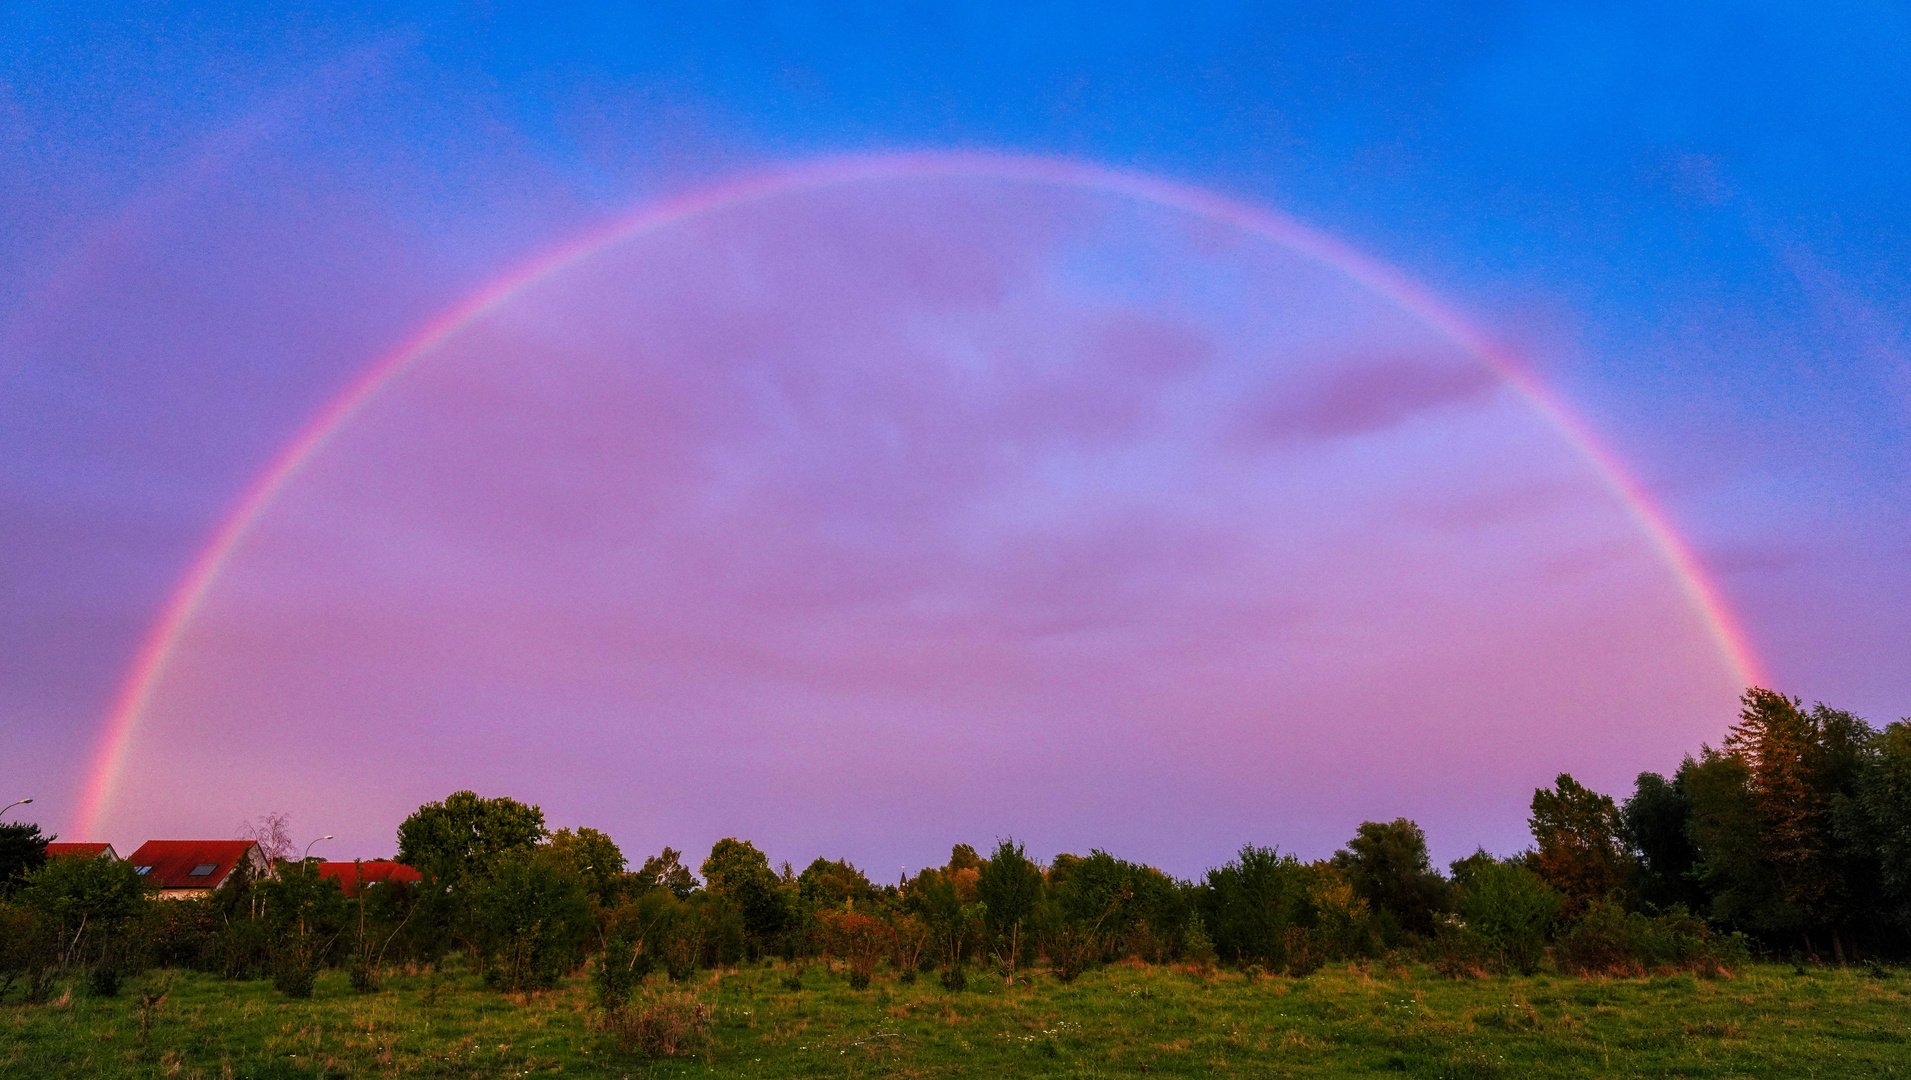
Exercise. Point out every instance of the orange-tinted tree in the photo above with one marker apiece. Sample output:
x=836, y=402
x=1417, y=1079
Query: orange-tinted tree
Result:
x=1579, y=850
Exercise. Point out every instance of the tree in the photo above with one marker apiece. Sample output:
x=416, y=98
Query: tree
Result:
x=1655, y=823
x=526, y=919
x=1764, y=817
x=464, y=836
x=596, y=859
x=1579, y=849
x=1505, y=909
x=1876, y=818
x=832, y=884
x=1010, y=888
x=78, y=897
x=273, y=833
x=1250, y=904
x=668, y=872
x=1388, y=866
x=22, y=851
x=740, y=874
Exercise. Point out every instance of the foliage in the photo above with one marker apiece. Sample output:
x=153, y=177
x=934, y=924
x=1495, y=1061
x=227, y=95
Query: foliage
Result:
x=1250, y=904
x=861, y=939
x=1387, y=864
x=465, y=836
x=77, y=891
x=1009, y=887
x=595, y=858
x=827, y=883
x=1579, y=849
x=667, y=871
x=1610, y=940
x=303, y=916
x=22, y=851
x=526, y=919
x=740, y=874
x=1656, y=822
x=1505, y=911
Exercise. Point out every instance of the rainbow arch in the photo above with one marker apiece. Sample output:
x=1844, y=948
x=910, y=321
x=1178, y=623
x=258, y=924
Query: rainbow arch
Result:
x=157, y=648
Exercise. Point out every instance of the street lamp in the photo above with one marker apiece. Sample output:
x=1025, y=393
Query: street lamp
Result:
x=14, y=803
x=308, y=847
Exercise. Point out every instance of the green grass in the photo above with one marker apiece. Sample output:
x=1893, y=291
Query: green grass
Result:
x=1360, y=1020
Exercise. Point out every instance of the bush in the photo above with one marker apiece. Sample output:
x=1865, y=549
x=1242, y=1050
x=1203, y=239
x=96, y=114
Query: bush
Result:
x=669, y=1027
x=103, y=979
x=527, y=920
x=613, y=977
x=1505, y=911
x=1613, y=941
x=295, y=977
x=955, y=977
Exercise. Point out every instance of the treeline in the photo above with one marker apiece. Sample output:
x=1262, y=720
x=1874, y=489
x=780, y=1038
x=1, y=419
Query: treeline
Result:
x=1791, y=839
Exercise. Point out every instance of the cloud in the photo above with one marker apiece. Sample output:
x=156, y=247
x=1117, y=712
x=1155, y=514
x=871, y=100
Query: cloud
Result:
x=1364, y=396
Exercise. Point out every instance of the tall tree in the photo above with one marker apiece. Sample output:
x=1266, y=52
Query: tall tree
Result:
x=1387, y=864
x=1578, y=849
x=667, y=871
x=1010, y=888
x=465, y=835
x=1877, y=818
x=1774, y=740
x=1656, y=819
x=596, y=859
x=740, y=874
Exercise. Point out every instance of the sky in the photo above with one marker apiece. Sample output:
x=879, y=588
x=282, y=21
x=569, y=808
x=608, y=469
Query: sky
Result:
x=717, y=488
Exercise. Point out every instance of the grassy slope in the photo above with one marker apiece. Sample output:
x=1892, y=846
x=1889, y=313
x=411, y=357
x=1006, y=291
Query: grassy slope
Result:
x=1119, y=1021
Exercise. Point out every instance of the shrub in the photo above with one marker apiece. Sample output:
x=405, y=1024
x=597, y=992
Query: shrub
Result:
x=1613, y=941
x=295, y=977
x=1505, y=910
x=103, y=979
x=669, y=1027
x=527, y=920
x=955, y=977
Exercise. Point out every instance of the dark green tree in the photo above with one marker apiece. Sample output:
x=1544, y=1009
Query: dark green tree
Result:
x=1010, y=888
x=740, y=874
x=464, y=836
x=1388, y=865
x=1656, y=822
x=666, y=871
x=596, y=859
x=826, y=883
x=22, y=850
x=1505, y=910
x=527, y=918
x=1249, y=905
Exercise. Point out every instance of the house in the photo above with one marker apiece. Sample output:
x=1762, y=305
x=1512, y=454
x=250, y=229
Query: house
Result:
x=181, y=869
x=355, y=875
x=82, y=851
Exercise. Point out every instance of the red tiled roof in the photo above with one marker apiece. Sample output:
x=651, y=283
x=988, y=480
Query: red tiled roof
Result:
x=84, y=851
x=375, y=871
x=169, y=864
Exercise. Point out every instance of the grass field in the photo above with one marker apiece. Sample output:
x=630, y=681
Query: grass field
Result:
x=1362, y=1020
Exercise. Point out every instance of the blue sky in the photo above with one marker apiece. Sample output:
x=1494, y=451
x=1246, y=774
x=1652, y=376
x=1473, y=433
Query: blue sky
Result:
x=1694, y=222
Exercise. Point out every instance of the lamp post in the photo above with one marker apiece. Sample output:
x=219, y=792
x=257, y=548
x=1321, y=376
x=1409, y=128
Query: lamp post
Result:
x=11, y=805
x=308, y=847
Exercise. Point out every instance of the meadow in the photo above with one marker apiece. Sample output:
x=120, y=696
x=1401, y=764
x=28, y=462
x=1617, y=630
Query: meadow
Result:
x=1123, y=1020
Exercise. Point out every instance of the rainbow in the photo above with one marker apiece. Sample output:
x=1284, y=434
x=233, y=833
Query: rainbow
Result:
x=161, y=641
